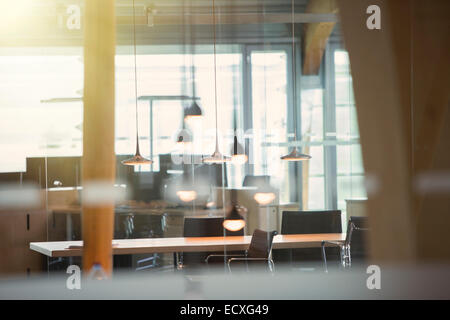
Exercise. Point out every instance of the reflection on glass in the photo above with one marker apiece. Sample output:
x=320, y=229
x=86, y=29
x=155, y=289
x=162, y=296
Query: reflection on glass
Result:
x=264, y=198
x=187, y=195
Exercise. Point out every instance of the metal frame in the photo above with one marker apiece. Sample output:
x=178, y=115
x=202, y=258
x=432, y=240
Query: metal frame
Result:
x=345, y=255
x=329, y=125
x=244, y=257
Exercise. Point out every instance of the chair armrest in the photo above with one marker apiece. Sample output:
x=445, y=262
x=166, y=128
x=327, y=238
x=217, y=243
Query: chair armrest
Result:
x=332, y=243
x=248, y=259
x=269, y=261
x=147, y=259
x=340, y=245
x=223, y=255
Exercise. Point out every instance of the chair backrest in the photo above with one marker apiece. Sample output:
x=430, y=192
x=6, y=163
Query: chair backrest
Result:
x=207, y=227
x=261, y=244
x=305, y=222
x=357, y=230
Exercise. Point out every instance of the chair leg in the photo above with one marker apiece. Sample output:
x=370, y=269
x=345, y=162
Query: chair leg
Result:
x=324, y=258
x=345, y=257
x=271, y=265
x=178, y=260
x=228, y=265
x=349, y=257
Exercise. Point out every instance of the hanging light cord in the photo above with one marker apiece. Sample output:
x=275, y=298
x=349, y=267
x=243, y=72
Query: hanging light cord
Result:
x=294, y=82
x=192, y=54
x=135, y=77
x=215, y=69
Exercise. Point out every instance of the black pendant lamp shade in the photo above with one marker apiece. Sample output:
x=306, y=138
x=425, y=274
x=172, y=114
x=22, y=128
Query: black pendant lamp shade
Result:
x=192, y=111
x=238, y=155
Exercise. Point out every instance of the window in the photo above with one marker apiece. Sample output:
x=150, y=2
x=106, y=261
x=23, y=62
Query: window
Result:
x=350, y=171
x=312, y=136
x=30, y=126
x=269, y=107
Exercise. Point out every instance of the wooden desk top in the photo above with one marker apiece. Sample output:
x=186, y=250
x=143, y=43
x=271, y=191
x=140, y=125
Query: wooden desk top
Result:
x=192, y=244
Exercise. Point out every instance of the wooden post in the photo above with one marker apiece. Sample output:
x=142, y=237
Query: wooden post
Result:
x=377, y=83
x=98, y=130
x=430, y=87
x=401, y=79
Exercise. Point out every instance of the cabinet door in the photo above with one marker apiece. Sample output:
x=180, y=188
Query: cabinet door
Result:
x=17, y=230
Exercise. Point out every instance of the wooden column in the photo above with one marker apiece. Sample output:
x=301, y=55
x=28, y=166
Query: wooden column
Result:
x=401, y=79
x=98, y=130
x=377, y=83
x=431, y=125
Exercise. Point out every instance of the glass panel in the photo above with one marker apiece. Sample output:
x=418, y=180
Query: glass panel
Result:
x=316, y=194
x=312, y=114
x=350, y=170
x=269, y=106
x=312, y=132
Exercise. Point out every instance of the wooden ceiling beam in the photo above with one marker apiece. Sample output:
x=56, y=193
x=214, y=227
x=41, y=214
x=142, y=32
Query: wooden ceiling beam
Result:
x=316, y=35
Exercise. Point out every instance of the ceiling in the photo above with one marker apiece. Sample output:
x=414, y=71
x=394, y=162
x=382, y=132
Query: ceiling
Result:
x=42, y=22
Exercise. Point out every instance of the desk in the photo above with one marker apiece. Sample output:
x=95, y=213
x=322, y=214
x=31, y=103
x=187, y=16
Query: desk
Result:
x=192, y=244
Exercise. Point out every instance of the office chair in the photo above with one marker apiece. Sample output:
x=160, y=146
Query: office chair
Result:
x=307, y=222
x=147, y=226
x=201, y=227
x=354, y=246
x=137, y=226
x=259, y=250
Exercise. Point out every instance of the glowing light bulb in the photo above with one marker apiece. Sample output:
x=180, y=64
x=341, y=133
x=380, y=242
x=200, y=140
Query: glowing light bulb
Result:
x=264, y=198
x=211, y=204
x=187, y=195
x=234, y=225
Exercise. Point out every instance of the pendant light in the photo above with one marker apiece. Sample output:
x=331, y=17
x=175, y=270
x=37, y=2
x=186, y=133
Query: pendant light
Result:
x=238, y=155
x=185, y=191
x=184, y=136
x=211, y=201
x=137, y=159
x=216, y=157
x=193, y=111
x=294, y=155
x=265, y=194
x=234, y=220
